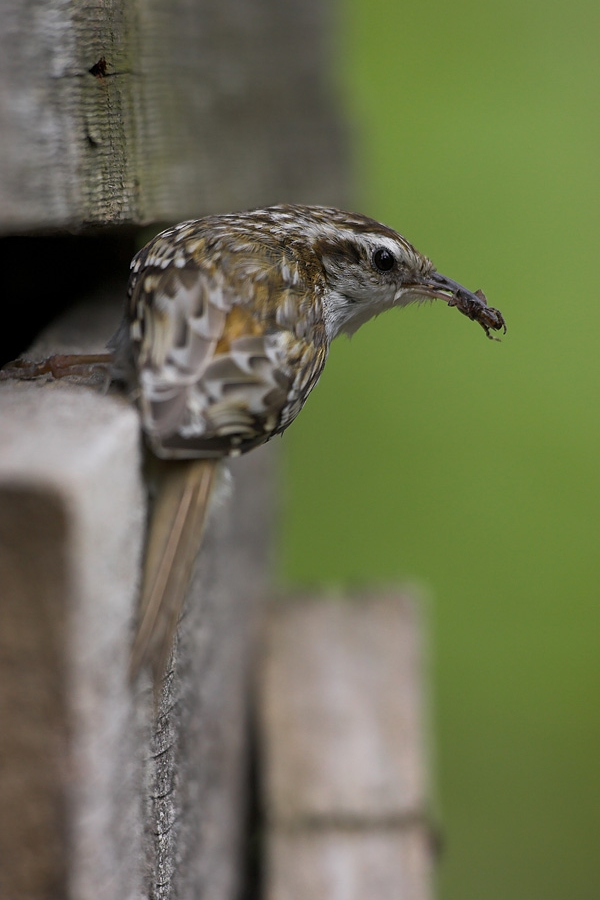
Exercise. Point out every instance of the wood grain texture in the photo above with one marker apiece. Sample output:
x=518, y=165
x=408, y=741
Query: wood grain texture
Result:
x=197, y=769
x=70, y=541
x=115, y=111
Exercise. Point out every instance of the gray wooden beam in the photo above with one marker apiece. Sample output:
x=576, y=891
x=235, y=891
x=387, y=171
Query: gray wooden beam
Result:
x=120, y=111
x=343, y=756
x=70, y=541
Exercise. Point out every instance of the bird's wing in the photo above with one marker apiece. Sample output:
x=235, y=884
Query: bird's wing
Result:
x=219, y=368
x=209, y=381
x=212, y=376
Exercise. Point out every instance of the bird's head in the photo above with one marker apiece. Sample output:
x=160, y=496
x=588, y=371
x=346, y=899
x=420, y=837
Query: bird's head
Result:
x=370, y=268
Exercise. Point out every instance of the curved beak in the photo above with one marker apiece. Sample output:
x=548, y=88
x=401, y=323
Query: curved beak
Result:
x=472, y=305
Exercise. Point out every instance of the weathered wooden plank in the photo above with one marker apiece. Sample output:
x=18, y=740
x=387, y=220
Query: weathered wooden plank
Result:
x=343, y=758
x=199, y=765
x=335, y=864
x=70, y=536
x=115, y=111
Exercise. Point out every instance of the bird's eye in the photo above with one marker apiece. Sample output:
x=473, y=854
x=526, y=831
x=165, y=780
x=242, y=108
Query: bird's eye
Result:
x=384, y=259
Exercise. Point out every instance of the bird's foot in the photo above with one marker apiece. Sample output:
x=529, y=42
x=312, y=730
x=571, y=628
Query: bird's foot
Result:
x=82, y=365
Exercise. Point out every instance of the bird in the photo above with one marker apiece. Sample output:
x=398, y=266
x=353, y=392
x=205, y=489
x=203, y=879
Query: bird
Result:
x=227, y=327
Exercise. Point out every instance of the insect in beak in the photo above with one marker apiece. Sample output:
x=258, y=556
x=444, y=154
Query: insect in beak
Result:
x=473, y=305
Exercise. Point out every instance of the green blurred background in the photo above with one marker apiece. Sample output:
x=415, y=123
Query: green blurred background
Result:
x=429, y=454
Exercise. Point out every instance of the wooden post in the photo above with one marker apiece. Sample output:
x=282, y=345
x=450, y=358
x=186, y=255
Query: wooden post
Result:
x=70, y=540
x=121, y=112
x=342, y=750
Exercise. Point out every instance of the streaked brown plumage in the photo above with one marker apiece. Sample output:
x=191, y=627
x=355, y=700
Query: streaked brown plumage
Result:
x=230, y=318
x=227, y=329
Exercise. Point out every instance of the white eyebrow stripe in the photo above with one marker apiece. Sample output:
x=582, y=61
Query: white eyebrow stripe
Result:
x=378, y=241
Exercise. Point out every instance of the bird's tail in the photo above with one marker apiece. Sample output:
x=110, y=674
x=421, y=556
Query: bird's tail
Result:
x=182, y=491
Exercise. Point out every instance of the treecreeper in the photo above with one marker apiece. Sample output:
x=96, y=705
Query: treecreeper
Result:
x=226, y=331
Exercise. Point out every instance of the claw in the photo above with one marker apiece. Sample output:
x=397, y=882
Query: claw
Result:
x=59, y=366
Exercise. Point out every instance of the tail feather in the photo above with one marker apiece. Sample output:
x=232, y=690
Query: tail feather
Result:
x=175, y=531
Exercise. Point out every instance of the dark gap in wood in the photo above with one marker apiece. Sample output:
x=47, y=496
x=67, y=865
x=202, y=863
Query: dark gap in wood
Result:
x=252, y=877
x=43, y=275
